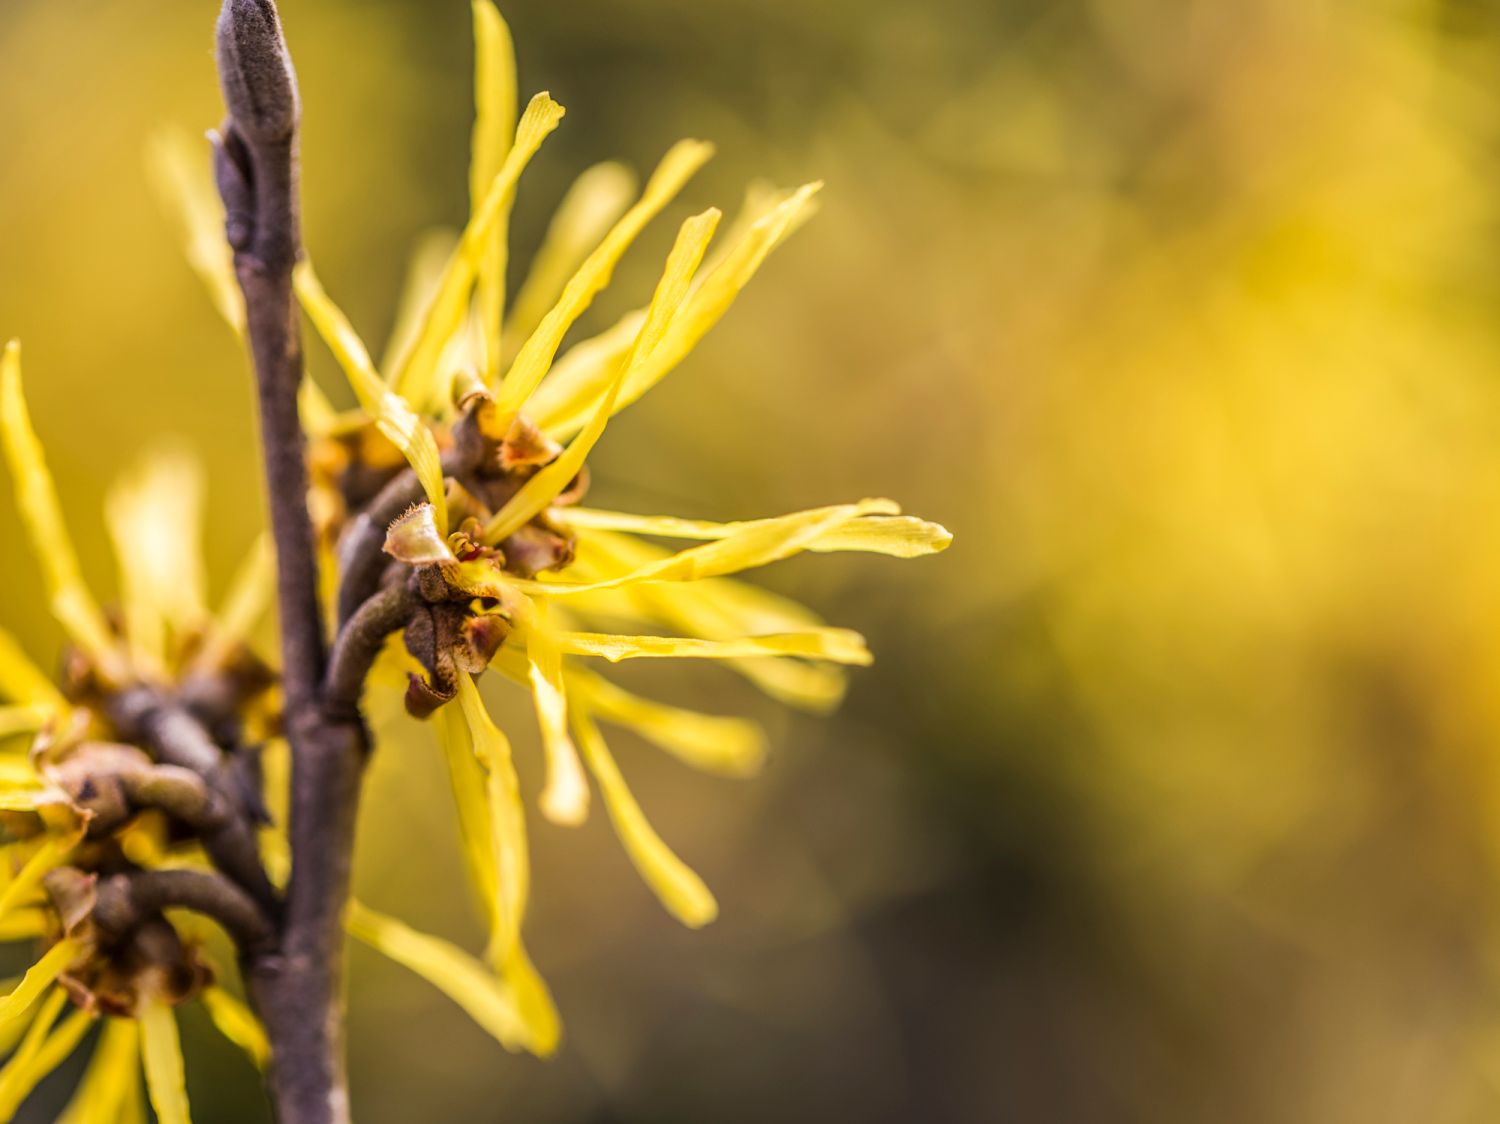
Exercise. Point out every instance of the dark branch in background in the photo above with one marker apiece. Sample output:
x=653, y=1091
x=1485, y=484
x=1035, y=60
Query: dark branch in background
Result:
x=177, y=792
x=126, y=901
x=255, y=164
x=177, y=739
x=296, y=987
x=174, y=738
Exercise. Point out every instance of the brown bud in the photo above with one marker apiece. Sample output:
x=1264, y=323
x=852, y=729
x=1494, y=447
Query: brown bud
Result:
x=534, y=549
x=525, y=445
x=255, y=71
x=424, y=698
x=420, y=637
x=73, y=894
x=482, y=639
x=90, y=775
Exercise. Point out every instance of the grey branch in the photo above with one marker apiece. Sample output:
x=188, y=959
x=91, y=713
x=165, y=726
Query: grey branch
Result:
x=296, y=987
x=126, y=901
x=256, y=167
x=359, y=643
x=177, y=739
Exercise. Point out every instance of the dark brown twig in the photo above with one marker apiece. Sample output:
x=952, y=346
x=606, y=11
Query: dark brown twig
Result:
x=125, y=901
x=295, y=988
x=256, y=169
x=359, y=643
x=177, y=739
x=174, y=737
x=179, y=793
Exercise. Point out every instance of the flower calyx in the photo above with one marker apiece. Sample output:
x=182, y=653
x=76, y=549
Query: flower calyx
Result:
x=466, y=605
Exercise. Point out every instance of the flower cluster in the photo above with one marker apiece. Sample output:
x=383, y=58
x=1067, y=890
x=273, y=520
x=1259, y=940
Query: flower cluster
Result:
x=448, y=506
x=126, y=789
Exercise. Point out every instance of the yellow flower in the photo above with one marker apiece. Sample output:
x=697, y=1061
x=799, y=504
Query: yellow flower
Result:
x=496, y=422
x=69, y=810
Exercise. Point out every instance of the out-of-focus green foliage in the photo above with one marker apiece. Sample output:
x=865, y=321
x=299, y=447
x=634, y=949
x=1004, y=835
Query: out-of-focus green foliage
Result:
x=1170, y=796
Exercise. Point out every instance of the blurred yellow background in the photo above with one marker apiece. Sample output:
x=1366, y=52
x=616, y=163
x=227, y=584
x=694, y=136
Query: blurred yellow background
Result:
x=1171, y=795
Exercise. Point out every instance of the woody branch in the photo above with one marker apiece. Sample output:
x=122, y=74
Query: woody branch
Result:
x=294, y=981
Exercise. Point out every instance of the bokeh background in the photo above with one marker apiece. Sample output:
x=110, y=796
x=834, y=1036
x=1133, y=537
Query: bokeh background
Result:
x=1172, y=795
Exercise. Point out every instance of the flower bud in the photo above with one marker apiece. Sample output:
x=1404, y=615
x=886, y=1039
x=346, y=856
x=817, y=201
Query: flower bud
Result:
x=255, y=71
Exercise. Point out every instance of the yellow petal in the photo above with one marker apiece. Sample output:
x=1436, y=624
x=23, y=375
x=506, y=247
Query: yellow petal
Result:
x=276, y=784
x=424, y=273
x=238, y=1023
x=506, y=863
x=62, y=1041
x=817, y=688
x=900, y=536
x=674, y=285
x=565, y=800
x=716, y=609
x=475, y=735
x=592, y=205
x=732, y=746
x=39, y=977
x=471, y=800
x=708, y=303
x=749, y=546
x=533, y=999
x=182, y=175
x=26, y=925
x=450, y=303
x=576, y=382
x=13, y=1030
x=41, y=1022
x=761, y=199
x=25, y=1071
x=111, y=1089
x=161, y=1051
x=494, y=123
x=537, y=353
x=713, y=298
x=40, y=800
x=548, y=484
x=392, y=415
x=23, y=721
x=23, y=681
x=663, y=526
x=17, y=771
x=584, y=372
x=507, y=818
x=36, y=497
x=155, y=518
x=838, y=645
x=48, y=856
x=250, y=593
x=492, y=1003
x=39, y=1052
x=578, y=379
x=681, y=891
x=495, y=99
